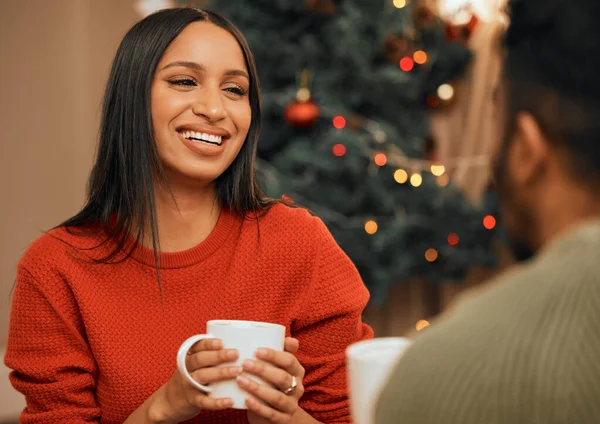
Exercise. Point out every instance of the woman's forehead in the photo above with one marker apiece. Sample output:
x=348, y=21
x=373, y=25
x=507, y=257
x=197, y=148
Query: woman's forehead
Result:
x=206, y=44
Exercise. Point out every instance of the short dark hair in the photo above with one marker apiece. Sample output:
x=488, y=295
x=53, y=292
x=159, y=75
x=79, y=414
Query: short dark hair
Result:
x=552, y=70
x=120, y=195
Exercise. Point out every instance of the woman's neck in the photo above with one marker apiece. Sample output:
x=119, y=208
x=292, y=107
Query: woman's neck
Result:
x=185, y=217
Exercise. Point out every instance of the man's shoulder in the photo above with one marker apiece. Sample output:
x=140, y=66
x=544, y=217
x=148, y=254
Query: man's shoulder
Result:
x=546, y=287
x=547, y=300
x=532, y=330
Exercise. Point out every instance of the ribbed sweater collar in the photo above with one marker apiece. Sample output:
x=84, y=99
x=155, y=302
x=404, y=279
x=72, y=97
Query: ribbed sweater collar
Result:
x=226, y=223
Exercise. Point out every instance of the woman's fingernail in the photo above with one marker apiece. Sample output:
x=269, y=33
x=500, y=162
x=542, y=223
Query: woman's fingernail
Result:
x=216, y=344
x=236, y=371
x=251, y=401
x=243, y=380
x=232, y=354
x=249, y=364
x=262, y=353
x=228, y=403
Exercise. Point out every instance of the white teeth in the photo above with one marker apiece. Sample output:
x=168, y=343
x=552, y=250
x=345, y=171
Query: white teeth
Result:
x=196, y=136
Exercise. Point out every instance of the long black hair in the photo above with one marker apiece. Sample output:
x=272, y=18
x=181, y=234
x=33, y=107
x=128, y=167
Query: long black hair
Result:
x=120, y=193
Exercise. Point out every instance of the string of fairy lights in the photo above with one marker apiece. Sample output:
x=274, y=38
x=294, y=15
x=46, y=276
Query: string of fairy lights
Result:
x=408, y=169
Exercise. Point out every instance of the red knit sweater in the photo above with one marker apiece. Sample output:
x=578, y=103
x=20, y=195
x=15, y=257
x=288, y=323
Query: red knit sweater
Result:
x=91, y=342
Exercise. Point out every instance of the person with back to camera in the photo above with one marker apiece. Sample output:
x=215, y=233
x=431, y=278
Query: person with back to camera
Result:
x=100, y=307
x=525, y=349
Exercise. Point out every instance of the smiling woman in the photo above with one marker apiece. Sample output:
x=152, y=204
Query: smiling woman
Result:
x=101, y=304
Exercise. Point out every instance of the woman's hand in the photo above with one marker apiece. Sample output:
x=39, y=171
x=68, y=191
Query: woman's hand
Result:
x=180, y=400
x=266, y=404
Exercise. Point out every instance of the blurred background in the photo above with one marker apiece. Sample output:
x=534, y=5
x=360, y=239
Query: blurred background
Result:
x=378, y=116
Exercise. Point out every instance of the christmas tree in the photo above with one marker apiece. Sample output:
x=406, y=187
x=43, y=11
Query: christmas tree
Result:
x=347, y=87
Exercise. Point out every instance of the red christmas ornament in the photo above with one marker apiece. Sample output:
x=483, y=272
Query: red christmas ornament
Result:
x=423, y=16
x=301, y=114
x=321, y=7
x=395, y=47
x=432, y=101
x=452, y=31
x=356, y=122
x=472, y=24
x=431, y=153
x=461, y=32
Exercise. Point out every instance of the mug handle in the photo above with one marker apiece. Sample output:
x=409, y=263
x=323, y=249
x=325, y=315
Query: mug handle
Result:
x=183, y=353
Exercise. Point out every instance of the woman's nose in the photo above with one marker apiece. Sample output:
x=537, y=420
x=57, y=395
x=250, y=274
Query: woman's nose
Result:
x=210, y=105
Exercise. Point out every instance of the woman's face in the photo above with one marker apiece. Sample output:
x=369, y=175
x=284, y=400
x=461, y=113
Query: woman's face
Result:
x=200, y=105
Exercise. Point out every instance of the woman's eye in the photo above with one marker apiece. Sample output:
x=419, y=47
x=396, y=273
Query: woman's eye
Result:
x=236, y=90
x=188, y=82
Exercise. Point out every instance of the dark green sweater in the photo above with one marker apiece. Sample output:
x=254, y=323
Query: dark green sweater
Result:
x=526, y=350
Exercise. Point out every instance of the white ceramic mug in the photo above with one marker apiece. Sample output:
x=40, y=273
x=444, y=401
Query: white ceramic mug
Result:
x=369, y=365
x=245, y=337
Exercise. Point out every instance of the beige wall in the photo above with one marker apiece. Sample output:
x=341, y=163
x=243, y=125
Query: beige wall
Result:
x=54, y=59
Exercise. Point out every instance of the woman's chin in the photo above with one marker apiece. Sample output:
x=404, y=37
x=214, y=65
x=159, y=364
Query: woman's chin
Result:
x=193, y=177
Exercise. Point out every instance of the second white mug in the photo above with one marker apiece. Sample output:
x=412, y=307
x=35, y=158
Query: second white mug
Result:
x=369, y=365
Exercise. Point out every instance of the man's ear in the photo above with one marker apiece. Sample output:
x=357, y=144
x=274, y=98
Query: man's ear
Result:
x=529, y=150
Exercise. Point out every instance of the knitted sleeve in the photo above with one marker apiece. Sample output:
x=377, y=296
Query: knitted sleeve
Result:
x=47, y=351
x=521, y=350
x=329, y=322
